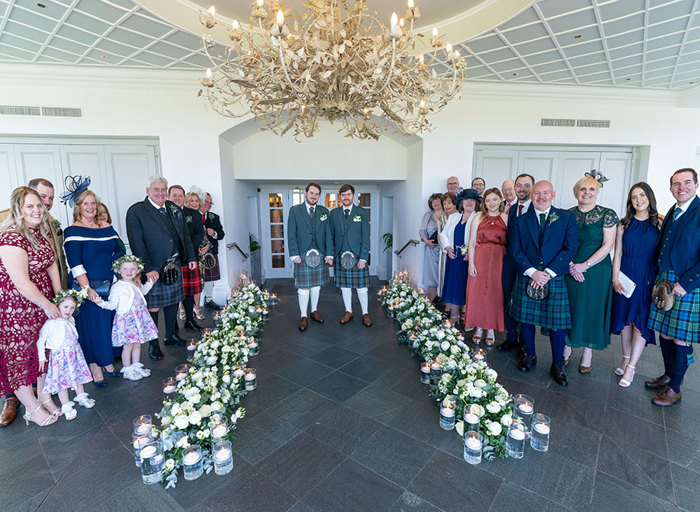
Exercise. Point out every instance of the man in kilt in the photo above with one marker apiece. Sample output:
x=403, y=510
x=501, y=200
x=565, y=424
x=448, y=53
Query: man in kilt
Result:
x=158, y=235
x=542, y=243
x=350, y=232
x=678, y=260
x=215, y=232
x=191, y=280
x=310, y=244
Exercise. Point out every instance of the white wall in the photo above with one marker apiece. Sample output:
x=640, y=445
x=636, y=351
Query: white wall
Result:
x=163, y=104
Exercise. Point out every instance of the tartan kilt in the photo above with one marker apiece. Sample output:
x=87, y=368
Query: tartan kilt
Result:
x=308, y=277
x=191, y=281
x=212, y=274
x=551, y=313
x=351, y=278
x=682, y=322
x=162, y=295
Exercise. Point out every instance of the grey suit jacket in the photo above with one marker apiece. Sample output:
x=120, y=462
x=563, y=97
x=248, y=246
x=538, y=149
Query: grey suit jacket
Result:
x=305, y=232
x=351, y=234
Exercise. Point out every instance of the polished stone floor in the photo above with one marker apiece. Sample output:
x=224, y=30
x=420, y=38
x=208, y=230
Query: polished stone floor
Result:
x=340, y=422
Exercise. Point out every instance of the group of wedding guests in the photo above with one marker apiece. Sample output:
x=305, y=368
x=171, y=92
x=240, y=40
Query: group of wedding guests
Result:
x=511, y=261
x=48, y=273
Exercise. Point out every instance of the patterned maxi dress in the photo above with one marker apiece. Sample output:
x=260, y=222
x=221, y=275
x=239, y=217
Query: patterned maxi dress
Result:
x=20, y=319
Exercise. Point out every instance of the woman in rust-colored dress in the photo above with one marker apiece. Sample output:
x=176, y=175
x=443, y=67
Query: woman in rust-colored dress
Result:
x=28, y=280
x=487, y=246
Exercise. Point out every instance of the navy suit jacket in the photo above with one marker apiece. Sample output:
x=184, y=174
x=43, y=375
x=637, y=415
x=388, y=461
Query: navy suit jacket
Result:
x=300, y=235
x=559, y=242
x=684, y=245
x=350, y=234
x=214, y=222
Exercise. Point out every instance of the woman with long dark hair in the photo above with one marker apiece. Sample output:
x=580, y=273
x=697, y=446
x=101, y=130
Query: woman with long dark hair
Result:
x=635, y=244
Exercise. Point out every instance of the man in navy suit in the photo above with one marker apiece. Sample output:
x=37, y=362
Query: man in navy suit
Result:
x=309, y=241
x=678, y=262
x=542, y=243
x=523, y=191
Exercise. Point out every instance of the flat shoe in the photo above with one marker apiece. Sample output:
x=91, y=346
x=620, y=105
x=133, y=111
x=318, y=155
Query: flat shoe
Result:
x=100, y=383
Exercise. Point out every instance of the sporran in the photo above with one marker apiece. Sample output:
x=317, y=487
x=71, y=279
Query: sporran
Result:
x=662, y=295
x=348, y=260
x=537, y=293
x=312, y=258
x=171, y=271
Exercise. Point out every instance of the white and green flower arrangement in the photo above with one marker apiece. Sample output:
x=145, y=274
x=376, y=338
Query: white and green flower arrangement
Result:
x=472, y=382
x=210, y=390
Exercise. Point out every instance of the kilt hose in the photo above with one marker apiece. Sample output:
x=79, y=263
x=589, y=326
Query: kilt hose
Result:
x=162, y=295
x=309, y=277
x=191, y=281
x=551, y=313
x=351, y=278
x=212, y=274
x=682, y=321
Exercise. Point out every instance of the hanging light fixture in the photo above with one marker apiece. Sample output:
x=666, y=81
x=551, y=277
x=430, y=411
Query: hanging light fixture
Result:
x=336, y=62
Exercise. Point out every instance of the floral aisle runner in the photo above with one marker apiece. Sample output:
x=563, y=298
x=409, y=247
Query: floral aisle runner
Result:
x=215, y=382
x=456, y=374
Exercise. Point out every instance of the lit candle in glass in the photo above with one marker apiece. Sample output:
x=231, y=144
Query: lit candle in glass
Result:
x=252, y=347
x=192, y=462
x=143, y=424
x=238, y=371
x=192, y=345
x=250, y=379
x=479, y=355
x=139, y=441
x=218, y=428
x=223, y=457
x=181, y=372
x=169, y=387
x=447, y=413
x=425, y=372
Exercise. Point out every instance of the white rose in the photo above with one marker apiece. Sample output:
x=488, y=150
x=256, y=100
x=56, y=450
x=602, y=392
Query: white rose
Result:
x=493, y=407
x=454, y=349
x=181, y=422
x=195, y=418
x=445, y=346
x=205, y=410
x=226, y=378
x=477, y=393
x=495, y=428
x=491, y=373
x=182, y=442
x=480, y=383
x=507, y=420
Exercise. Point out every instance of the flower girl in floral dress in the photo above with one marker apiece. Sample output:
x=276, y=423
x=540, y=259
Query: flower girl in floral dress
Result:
x=133, y=324
x=66, y=364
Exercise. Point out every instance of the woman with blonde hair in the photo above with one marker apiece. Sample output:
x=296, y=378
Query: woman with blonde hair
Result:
x=29, y=278
x=91, y=248
x=487, y=246
x=194, y=201
x=589, y=284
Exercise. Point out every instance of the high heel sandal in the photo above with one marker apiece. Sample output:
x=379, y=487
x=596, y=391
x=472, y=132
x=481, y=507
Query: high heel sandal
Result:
x=198, y=314
x=478, y=333
x=624, y=383
x=28, y=417
x=57, y=412
x=490, y=338
x=181, y=310
x=619, y=371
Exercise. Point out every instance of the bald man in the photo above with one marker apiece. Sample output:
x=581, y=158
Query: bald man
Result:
x=508, y=191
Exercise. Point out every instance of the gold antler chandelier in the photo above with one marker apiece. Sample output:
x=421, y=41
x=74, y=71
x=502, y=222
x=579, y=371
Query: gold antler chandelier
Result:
x=335, y=62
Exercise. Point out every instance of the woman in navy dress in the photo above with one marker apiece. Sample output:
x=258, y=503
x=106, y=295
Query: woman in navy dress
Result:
x=636, y=240
x=90, y=251
x=455, y=238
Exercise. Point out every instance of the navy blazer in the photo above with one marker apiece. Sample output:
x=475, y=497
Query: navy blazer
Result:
x=304, y=232
x=560, y=241
x=214, y=222
x=351, y=234
x=149, y=236
x=684, y=245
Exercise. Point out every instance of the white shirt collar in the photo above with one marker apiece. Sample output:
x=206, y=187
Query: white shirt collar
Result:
x=154, y=204
x=306, y=203
x=684, y=207
x=546, y=212
x=514, y=202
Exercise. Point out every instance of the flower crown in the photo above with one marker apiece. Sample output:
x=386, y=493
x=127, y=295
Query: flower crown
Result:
x=129, y=258
x=78, y=295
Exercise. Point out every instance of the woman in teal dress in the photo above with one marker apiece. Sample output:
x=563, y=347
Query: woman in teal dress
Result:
x=589, y=283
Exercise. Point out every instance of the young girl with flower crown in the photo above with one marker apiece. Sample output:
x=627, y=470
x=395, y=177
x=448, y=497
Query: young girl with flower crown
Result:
x=133, y=324
x=58, y=341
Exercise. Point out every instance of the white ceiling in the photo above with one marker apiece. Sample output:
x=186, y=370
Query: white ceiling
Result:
x=653, y=44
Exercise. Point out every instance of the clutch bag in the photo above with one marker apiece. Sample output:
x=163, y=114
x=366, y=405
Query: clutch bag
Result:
x=627, y=284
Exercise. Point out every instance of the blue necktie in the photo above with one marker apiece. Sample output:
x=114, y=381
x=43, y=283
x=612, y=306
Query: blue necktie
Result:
x=677, y=212
x=162, y=210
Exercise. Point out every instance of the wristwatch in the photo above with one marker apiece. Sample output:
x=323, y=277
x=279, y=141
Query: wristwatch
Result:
x=588, y=264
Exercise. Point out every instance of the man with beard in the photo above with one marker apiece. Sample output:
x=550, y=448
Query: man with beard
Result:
x=523, y=190
x=350, y=231
x=310, y=244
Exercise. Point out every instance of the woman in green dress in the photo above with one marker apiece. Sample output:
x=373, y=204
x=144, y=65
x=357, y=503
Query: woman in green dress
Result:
x=589, y=284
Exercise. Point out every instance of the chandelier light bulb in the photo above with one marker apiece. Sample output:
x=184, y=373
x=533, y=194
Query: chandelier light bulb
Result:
x=411, y=5
x=448, y=48
x=280, y=18
x=394, y=20
x=208, y=73
x=435, y=32
x=235, y=25
x=212, y=11
x=260, y=3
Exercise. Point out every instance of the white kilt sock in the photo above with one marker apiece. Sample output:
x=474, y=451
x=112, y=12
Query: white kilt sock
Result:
x=347, y=298
x=315, y=293
x=364, y=299
x=303, y=294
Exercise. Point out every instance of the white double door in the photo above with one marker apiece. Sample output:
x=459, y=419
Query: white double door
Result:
x=274, y=204
x=563, y=168
x=118, y=172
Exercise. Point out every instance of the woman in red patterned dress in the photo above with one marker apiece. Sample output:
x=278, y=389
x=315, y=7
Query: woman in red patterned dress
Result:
x=28, y=279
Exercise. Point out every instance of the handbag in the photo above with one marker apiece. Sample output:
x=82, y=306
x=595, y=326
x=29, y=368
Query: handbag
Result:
x=171, y=271
x=662, y=295
x=537, y=293
x=312, y=258
x=348, y=260
x=434, y=237
x=101, y=287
